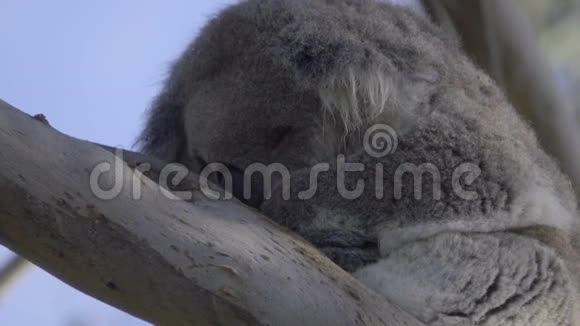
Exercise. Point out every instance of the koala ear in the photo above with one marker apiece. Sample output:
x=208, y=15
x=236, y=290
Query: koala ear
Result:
x=356, y=80
x=356, y=95
x=362, y=96
x=416, y=89
x=359, y=95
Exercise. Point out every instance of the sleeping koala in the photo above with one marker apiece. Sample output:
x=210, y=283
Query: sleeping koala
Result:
x=462, y=220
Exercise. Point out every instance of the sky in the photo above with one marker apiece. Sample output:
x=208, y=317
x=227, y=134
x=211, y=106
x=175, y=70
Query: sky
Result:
x=92, y=68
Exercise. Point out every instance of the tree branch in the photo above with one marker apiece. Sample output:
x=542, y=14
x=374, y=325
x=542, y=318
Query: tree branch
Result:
x=10, y=272
x=166, y=261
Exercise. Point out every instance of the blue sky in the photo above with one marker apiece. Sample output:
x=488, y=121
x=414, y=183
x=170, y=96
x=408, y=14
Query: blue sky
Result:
x=92, y=68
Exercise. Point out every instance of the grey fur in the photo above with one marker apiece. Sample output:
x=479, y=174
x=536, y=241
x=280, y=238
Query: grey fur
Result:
x=298, y=82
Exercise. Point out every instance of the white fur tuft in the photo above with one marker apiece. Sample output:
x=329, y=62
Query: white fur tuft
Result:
x=356, y=96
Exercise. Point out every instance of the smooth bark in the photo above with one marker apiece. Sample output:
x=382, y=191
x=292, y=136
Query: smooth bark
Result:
x=167, y=261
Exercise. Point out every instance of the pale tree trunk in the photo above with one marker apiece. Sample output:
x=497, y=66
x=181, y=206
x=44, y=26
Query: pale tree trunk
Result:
x=500, y=39
x=10, y=272
x=167, y=261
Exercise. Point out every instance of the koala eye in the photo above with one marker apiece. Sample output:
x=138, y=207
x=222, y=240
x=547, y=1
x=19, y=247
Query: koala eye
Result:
x=280, y=133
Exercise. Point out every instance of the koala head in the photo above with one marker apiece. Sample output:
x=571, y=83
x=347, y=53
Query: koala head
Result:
x=295, y=82
x=298, y=82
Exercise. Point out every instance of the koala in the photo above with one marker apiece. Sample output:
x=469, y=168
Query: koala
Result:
x=465, y=221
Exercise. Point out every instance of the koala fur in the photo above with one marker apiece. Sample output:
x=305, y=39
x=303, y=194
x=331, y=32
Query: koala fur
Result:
x=298, y=82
